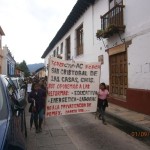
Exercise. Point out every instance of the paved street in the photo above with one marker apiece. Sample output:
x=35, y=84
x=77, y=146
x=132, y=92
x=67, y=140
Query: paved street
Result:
x=80, y=132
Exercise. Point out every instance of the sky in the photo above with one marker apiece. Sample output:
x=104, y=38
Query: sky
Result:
x=30, y=25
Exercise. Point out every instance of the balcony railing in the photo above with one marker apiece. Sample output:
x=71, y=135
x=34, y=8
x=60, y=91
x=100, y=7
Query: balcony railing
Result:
x=113, y=17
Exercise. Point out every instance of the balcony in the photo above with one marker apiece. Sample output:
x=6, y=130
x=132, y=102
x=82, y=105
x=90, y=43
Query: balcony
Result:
x=112, y=22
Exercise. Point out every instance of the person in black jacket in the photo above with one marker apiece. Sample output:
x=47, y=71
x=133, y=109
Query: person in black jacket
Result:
x=37, y=99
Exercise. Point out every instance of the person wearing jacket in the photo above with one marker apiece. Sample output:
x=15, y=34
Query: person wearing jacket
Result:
x=37, y=99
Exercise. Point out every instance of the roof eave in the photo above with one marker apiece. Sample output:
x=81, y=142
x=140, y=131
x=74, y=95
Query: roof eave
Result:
x=79, y=8
x=1, y=31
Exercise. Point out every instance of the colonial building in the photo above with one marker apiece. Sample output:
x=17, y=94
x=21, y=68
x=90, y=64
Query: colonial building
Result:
x=19, y=72
x=8, y=62
x=41, y=72
x=1, y=52
x=117, y=33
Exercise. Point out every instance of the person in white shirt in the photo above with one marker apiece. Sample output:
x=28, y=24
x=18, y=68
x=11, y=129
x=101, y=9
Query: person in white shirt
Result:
x=29, y=87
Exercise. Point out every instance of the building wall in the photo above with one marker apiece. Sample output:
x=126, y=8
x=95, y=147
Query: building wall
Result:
x=8, y=62
x=92, y=47
x=139, y=62
x=4, y=63
x=137, y=100
x=137, y=31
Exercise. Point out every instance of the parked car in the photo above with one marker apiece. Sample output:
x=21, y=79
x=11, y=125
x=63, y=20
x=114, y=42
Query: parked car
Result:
x=18, y=82
x=12, y=117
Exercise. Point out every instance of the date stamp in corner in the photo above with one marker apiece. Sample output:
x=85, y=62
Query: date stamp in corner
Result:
x=140, y=134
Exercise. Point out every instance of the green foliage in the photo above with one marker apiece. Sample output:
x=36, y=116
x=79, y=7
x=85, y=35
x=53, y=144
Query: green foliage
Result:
x=23, y=66
x=109, y=31
x=99, y=33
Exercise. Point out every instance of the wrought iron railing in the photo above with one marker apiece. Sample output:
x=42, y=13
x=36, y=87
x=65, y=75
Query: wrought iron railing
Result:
x=113, y=17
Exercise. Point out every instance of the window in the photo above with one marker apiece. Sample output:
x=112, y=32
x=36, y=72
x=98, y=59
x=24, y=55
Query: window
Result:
x=54, y=53
x=79, y=34
x=68, y=54
x=57, y=50
x=61, y=48
x=112, y=3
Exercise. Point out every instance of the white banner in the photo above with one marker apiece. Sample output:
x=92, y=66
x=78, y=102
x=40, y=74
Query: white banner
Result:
x=72, y=87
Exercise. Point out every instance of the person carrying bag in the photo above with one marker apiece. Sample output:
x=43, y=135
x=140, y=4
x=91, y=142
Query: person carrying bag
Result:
x=102, y=101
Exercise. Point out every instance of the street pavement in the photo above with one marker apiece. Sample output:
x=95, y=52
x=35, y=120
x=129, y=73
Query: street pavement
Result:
x=54, y=137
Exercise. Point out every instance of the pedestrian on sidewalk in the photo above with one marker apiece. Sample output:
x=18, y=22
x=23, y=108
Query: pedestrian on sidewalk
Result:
x=29, y=86
x=38, y=96
x=32, y=104
x=43, y=85
x=102, y=101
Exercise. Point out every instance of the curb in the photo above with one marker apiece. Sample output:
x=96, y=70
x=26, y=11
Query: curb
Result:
x=135, y=126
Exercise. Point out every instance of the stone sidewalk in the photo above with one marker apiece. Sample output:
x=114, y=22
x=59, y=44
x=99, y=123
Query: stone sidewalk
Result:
x=53, y=137
x=133, y=118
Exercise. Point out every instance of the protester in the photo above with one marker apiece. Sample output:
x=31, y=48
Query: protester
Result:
x=102, y=101
x=37, y=96
x=29, y=86
x=29, y=89
x=42, y=84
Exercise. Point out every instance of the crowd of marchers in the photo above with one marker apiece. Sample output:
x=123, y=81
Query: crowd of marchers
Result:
x=36, y=95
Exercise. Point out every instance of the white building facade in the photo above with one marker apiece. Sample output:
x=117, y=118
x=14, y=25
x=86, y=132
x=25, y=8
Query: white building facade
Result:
x=1, y=52
x=122, y=46
x=8, y=62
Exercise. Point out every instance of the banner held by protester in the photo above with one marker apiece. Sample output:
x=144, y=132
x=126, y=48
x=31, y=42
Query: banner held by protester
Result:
x=72, y=87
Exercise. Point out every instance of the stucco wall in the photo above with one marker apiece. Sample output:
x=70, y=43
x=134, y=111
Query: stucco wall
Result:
x=92, y=46
x=139, y=62
x=137, y=21
x=136, y=17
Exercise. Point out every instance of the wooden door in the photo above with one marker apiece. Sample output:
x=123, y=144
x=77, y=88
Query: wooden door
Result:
x=118, y=75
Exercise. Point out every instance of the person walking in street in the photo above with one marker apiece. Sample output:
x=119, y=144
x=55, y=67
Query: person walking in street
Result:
x=37, y=96
x=32, y=105
x=102, y=101
x=29, y=86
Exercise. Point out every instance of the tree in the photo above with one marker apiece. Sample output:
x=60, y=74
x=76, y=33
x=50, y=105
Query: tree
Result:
x=23, y=66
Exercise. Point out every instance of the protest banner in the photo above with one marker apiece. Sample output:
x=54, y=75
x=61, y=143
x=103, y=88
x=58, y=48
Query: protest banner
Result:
x=72, y=87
